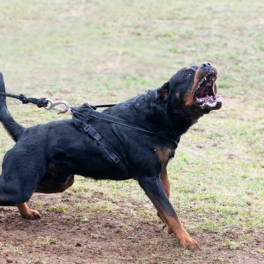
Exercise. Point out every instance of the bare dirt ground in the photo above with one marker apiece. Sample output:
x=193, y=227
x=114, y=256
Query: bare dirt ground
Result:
x=60, y=237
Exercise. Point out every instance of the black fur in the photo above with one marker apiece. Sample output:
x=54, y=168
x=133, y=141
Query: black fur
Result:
x=51, y=153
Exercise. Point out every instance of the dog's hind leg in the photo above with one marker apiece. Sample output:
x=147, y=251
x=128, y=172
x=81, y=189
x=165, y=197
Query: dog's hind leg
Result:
x=45, y=186
x=21, y=173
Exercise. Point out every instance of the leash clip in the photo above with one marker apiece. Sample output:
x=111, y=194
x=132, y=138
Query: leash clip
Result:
x=54, y=104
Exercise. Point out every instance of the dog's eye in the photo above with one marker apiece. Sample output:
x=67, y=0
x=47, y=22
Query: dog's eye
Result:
x=188, y=75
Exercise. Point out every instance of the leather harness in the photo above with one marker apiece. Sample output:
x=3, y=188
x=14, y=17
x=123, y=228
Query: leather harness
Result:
x=80, y=117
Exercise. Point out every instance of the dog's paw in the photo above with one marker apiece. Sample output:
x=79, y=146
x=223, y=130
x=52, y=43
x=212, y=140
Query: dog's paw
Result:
x=28, y=213
x=189, y=243
x=31, y=214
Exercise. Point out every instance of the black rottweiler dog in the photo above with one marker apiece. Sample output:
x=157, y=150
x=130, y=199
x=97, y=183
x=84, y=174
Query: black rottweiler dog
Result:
x=46, y=157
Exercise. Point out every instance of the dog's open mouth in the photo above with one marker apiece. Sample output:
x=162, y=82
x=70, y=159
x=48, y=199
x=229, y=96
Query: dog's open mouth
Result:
x=204, y=95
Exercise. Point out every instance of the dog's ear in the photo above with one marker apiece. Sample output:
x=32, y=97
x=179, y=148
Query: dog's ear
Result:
x=163, y=91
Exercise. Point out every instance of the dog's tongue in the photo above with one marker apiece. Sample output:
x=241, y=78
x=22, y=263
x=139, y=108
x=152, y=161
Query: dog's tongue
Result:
x=206, y=98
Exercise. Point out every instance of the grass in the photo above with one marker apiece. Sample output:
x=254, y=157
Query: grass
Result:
x=109, y=51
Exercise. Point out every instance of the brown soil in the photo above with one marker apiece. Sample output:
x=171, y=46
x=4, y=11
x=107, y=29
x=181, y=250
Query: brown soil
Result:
x=60, y=237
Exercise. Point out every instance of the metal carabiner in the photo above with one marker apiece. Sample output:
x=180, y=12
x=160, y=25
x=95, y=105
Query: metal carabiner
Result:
x=61, y=111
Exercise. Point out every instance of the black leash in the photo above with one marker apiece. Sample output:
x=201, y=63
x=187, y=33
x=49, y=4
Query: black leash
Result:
x=41, y=102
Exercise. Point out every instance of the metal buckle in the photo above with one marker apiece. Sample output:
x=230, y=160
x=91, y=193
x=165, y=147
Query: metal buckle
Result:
x=53, y=104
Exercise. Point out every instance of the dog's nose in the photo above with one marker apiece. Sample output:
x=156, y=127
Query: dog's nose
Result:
x=206, y=65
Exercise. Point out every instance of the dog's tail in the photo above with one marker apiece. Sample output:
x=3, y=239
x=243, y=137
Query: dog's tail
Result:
x=11, y=126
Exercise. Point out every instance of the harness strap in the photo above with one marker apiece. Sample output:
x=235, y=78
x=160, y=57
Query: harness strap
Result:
x=103, y=106
x=118, y=121
x=84, y=111
x=80, y=118
x=122, y=122
x=106, y=146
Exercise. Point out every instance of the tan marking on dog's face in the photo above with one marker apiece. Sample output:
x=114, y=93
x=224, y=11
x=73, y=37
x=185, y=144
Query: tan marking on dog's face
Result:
x=178, y=95
x=188, y=97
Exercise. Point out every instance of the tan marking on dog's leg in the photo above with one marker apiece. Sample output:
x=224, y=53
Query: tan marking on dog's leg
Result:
x=175, y=226
x=166, y=185
x=28, y=213
x=165, y=181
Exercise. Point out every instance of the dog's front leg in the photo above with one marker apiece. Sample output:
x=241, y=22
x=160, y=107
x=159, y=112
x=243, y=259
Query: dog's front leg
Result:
x=154, y=189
